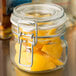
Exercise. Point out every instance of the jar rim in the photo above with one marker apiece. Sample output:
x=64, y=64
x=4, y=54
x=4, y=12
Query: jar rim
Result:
x=56, y=11
x=58, y=15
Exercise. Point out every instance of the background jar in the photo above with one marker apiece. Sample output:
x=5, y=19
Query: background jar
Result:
x=38, y=43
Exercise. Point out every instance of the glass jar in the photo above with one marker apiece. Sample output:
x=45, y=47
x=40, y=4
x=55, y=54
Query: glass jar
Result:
x=38, y=43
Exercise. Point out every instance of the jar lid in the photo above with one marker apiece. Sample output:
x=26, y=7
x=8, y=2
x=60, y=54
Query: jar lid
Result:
x=50, y=13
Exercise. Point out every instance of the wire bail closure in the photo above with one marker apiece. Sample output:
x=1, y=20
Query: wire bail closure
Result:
x=34, y=42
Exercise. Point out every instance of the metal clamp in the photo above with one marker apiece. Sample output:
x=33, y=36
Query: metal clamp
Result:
x=34, y=42
x=27, y=48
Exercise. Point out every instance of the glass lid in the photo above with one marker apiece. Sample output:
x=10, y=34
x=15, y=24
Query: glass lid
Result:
x=47, y=15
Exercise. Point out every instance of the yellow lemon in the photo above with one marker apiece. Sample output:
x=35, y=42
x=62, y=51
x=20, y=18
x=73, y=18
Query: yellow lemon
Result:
x=54, y=50
x=41, y=61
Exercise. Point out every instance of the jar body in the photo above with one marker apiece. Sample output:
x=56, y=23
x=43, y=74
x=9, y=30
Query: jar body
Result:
x=38, y=46
x=48, y=54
